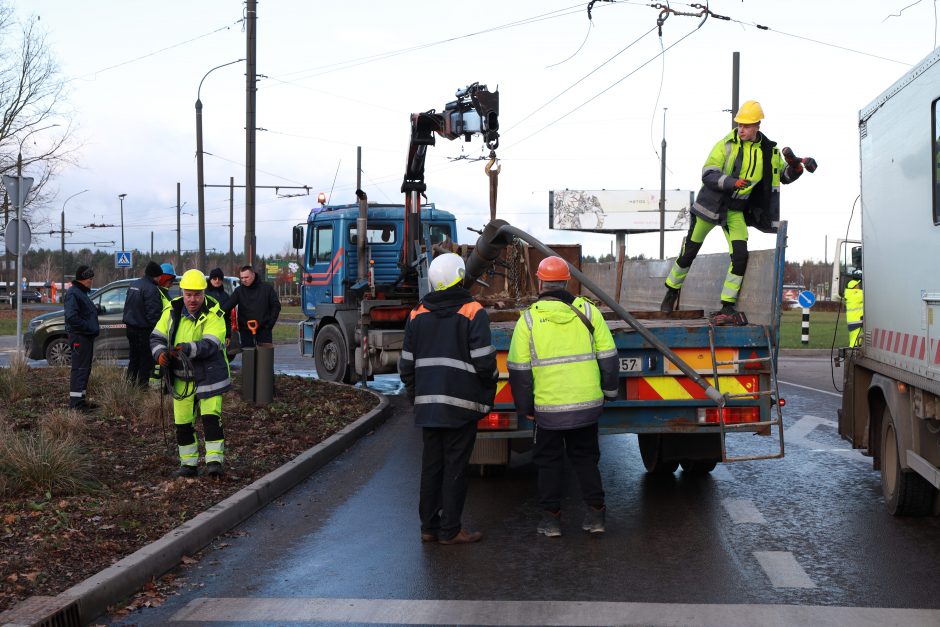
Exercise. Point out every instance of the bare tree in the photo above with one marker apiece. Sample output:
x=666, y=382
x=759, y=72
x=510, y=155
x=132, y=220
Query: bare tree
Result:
x=34, y=118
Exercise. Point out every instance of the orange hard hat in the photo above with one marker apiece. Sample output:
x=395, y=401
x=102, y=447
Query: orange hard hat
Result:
x=553, y=269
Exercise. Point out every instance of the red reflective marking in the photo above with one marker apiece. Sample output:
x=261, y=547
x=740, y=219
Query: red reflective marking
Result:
x=323, y=278
x=904, y=345
x=883, y=336
x=923, y=347
x=936, y=357
x=897, y=340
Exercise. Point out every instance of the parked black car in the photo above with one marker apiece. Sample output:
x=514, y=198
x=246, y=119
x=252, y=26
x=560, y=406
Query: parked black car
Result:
x=45, y=336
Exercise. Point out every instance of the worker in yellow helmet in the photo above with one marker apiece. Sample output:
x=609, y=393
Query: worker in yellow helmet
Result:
x=854, y=310
x=740, y=188
x=189, y=343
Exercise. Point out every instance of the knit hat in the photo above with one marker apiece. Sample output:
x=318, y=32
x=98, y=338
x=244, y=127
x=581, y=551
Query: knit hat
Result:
x=217, y=274
x=153, y=270
x=83, y=273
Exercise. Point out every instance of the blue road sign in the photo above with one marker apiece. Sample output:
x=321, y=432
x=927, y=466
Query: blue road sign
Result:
x=122, y=259
x=807, y=299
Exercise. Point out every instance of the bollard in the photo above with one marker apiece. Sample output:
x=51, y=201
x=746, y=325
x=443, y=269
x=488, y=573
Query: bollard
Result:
x=805, y=337
x=248, y=374
x=264, y=375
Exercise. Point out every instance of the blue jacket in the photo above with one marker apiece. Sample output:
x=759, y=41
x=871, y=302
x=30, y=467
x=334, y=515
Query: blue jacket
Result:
x=81, y=315
x=144, y=305
x=448, y=363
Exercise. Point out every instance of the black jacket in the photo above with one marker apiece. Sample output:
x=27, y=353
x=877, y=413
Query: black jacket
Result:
x=257, y=301
x=448, y=363
x=81, y=315
x=144, y=306
x=221, y=297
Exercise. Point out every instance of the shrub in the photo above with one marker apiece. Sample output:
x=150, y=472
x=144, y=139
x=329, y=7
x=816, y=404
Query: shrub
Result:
x=42, y=463
x=14, y=380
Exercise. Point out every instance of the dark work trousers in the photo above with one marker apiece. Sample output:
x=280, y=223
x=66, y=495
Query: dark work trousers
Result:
x=264, y=336
x=83, y=349
x=444, y=478
x=583, y=451
x=140, y=359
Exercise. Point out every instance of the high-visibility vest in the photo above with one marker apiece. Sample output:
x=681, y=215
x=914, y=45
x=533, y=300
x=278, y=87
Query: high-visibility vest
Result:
x=854, y=310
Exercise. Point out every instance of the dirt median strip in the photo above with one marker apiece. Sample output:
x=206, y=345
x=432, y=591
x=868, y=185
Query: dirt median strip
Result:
x=126, y=576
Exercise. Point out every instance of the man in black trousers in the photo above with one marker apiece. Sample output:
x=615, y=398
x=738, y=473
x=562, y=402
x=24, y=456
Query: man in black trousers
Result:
x=81, y=323
x=142, y=311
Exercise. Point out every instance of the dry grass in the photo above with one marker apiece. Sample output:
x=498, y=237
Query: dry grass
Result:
x=113, y=392
x=14, y=380
x=61, y=423
x=40, y=462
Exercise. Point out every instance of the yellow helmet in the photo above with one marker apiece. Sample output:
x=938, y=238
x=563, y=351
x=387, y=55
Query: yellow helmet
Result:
x=193, y=280
x=749, y=113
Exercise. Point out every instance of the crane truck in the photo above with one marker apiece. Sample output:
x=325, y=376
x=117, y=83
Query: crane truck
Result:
x=686, y=385
x=890, y=407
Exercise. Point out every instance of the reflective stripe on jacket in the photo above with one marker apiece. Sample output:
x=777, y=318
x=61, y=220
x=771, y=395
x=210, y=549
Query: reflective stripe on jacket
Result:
x=205, y=338
x=558, y=370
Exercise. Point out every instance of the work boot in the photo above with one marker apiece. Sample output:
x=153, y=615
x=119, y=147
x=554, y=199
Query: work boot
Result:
x=594, y=520
x=550, y=525
x=464, y=537
x=669, y=300
x=725, y=316
x=214, y=469
x=186, y=471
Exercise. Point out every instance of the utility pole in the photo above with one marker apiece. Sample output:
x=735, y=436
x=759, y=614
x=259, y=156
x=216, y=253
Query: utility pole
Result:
x=231, y=221
x=735, y=82
x=6, y=254
x=662, y=194
x=179, y=259
x=251, y=84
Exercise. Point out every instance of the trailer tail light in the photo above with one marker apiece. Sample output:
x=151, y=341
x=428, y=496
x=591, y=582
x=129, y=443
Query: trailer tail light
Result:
x=733, y=415
x=338, y=300
x=389, y=314
x=498, y=420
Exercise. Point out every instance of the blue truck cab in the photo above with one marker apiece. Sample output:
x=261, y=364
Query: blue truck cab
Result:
x=355, y=321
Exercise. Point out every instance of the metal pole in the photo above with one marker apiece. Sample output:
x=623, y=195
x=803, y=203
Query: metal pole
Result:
x=19, y=251
x=251, y=16
x=662, y=195
x=735, y=82
x=179, y=259
x=63, y=232
x=200, y=190
x=121, y=198
x=231, y=219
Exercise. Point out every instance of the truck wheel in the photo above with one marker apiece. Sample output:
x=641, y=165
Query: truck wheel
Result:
x=698, y=466
x=330, y=355
x=651, y=451
x=58, y=352
x=906, y=492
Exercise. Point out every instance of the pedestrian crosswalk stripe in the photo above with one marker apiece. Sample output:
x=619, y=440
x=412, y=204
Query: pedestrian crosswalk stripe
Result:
x=491, y=612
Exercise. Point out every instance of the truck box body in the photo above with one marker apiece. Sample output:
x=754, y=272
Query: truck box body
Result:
x=892, y=381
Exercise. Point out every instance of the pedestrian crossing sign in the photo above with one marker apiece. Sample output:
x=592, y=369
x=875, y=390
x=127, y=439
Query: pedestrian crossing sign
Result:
x=123, y=258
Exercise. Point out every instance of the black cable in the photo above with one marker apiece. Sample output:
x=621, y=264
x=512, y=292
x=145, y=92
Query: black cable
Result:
x=188, y=378
x=835, y=329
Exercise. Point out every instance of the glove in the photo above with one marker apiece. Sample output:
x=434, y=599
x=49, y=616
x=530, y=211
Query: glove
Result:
x=182, y=349
x=741, y=183
x=791, y=158
x=164, y=358
x=810, y=164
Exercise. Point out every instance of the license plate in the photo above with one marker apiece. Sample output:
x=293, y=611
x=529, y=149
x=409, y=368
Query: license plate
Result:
x=631, y=364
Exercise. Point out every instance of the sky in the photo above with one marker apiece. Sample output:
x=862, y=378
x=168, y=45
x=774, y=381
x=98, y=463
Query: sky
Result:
x=583, y=105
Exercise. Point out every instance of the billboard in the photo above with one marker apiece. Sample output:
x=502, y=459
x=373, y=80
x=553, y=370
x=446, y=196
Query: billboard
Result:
x=613, y=211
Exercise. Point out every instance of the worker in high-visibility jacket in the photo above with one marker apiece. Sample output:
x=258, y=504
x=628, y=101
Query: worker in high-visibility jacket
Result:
x=562, y=366
x=854, y=310
x=189, y=340
x=740, y=187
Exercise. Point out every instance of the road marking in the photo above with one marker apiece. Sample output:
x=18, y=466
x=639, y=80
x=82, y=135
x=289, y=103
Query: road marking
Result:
x=806, y=387
x=743, y=511
x=430, y=612
x=797, y=434
x=783, y=570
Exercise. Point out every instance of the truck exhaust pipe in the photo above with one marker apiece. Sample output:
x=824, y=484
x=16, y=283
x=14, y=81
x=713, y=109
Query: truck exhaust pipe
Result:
x=498, y=234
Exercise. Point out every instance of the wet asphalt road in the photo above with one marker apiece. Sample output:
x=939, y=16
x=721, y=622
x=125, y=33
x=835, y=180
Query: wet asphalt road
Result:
x=807, y=530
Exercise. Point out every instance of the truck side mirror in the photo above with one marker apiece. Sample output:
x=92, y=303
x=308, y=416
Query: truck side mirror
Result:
x=298, y=237
x=857, y=256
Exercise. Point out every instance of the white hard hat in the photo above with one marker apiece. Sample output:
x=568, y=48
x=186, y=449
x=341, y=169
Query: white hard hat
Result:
x=446, y=271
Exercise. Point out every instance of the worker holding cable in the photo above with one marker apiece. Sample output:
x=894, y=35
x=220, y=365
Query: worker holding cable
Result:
x=189, y=344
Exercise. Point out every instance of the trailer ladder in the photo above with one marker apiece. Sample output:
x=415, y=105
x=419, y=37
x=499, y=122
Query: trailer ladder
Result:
x=773, y=394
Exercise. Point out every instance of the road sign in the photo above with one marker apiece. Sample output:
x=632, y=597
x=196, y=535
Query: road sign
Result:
x=13, y=239
x=123, y=259
x=807, y=299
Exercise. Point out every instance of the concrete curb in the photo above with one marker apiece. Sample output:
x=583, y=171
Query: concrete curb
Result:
x=128, y=575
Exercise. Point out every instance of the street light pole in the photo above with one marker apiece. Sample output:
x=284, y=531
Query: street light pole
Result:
x=121, y=198
x=63, y=232
x=200, y=181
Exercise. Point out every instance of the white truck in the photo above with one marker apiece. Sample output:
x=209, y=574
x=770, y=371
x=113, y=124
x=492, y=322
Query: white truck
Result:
x=890, y=405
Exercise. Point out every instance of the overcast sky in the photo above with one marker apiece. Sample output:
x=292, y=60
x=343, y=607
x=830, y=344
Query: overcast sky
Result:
x=574, y=113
